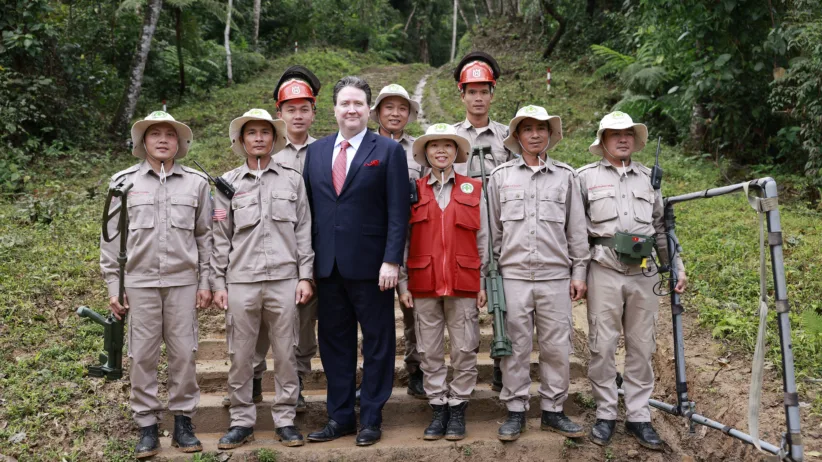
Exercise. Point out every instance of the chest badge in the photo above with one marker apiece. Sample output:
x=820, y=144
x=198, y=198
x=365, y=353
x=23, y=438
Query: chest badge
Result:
x=467, y=188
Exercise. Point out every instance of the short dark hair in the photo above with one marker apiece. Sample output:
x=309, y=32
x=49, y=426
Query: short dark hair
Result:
x=352, y=81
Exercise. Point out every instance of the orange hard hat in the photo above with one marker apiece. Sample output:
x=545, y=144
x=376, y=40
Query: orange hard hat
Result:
x=295, y=89
x=476, y=67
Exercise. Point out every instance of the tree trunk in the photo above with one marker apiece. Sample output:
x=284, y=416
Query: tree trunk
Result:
x=227, y=34
x=489, y=6
x=424, y=58
x=591, y=7
x=256, y=25
x=476, y=13
x=464, y=18
x=548, y=5
x=410, y=17
x=178, y=28
x=138, y=65
x=454, y=30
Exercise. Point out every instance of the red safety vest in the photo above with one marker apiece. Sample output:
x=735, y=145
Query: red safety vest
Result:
x=443, y=259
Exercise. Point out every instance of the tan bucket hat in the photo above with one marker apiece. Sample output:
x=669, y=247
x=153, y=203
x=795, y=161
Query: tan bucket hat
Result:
x=236, y=127
x=538, y=113
x=440, y=132
x=619, y=121
x=395, y=90
x=184, y=135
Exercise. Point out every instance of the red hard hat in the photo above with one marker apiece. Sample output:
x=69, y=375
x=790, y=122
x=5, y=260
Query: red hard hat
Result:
x=295, y=89
x=476, y=72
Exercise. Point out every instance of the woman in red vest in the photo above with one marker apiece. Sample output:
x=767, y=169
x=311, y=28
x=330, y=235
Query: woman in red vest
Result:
x=445, y=252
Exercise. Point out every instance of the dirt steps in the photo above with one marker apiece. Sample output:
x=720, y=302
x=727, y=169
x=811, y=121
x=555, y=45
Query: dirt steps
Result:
x=212, y=375
x=398, y=443
x=400, y=410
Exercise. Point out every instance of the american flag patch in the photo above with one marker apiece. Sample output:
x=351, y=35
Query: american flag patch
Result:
x=218, y=215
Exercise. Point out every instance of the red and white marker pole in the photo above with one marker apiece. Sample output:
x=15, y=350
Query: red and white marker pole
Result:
x=548, y=79
x=296, y=47
x=164, y=106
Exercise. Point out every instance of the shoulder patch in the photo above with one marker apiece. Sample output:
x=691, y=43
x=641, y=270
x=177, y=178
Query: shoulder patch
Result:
x=122, y=173
x=510, y=163
x=565, y=166
x=586, y=167
x=195, y=171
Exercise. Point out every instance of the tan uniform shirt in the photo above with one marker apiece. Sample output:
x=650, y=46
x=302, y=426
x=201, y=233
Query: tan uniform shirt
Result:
x=628, y=203
x=293, y=155
x=442, y=192
x=169, y=237
x=492, y=135
x=266, y=231
x=538, y=222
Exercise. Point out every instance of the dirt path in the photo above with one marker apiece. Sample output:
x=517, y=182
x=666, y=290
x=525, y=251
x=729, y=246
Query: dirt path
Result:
x=418, y=92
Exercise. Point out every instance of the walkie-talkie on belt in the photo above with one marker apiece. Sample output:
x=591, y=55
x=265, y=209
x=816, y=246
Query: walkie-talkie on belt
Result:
x=222, y=185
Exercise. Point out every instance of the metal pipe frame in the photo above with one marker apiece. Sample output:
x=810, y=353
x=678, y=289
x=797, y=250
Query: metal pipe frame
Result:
x=791, y=449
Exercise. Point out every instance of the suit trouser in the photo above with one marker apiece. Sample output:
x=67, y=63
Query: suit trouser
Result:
x=343, y=304
x=548, y=305
x=412, y=353
x=620, y=302
x=461, y=317
x=306, y=341
x=156, y=315
x=251, y=307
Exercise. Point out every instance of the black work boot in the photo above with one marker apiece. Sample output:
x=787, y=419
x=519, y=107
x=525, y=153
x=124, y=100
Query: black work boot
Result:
x=560, y=423
x=301, y=406
x=645, y=435
x=415, y=388
x=603, y=431
x=496, y=379
x=149, y=444
x=183, y=437
x=513, y=426
x=290, y=436
x=256, y=393
x=236, y=437
x=456, y=423
x=436, y=430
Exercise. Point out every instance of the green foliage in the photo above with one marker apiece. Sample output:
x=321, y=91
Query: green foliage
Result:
x=266, y=455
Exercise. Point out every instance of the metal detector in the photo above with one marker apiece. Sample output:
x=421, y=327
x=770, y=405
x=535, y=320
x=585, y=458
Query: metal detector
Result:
x=790, y=448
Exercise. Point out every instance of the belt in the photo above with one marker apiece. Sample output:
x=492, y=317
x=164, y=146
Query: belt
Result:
x=606, y=241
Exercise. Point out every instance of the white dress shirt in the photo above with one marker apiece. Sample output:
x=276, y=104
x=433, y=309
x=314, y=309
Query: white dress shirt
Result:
x=354, y=142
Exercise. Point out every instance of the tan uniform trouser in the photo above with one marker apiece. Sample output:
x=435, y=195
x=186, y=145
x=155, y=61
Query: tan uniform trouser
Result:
x=157, y=315
x=251, y=307
x=306, y=342
x=617, y=302
x=548, y=305
x=461, y=317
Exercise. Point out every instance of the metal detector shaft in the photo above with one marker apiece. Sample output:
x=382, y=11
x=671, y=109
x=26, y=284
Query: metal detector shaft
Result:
x=702, y=420
x=793, y=439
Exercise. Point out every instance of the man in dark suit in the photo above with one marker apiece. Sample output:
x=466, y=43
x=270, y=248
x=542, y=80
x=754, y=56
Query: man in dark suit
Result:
x=357, y=184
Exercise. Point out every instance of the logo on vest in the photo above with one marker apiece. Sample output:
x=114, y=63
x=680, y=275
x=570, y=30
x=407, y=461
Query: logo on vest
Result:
x=467, y=188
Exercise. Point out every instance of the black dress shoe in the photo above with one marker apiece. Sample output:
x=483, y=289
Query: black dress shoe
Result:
x=290, y=436
x=513, y=426
x=236, y=437
x=301, y=406
x=330, y=432
x=149, y=444
x=256, y=393
x=415, y=387
x=496, y=378
x=603, y=431
x=645, y=434
x=183, y=437
x=368, y=435
x=456, y=422
x=560, y=423
x=436, y=430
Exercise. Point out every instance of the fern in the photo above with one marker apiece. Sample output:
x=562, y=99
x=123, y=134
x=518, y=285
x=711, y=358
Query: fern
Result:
x=812, y=321
x=615, y=61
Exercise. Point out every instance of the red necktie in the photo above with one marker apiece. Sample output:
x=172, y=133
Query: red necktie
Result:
x=338, y=170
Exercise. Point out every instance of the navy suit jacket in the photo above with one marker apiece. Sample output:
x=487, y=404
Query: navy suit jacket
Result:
x=367, y=223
